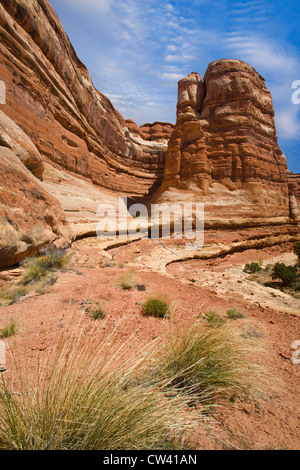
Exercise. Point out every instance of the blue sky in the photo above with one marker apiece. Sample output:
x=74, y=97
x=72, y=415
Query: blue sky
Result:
x=137, y=50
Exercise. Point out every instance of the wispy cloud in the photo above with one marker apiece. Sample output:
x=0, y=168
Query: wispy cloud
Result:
x=137, y=51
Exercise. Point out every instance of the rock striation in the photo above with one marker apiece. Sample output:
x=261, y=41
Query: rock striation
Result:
x=64, y=148
x=224, y=150
x=50, y=95
x=29, y=216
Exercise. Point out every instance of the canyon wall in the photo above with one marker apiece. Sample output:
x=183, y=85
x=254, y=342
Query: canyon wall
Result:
x=224, y=150
x=64, y=148
x=50, y=95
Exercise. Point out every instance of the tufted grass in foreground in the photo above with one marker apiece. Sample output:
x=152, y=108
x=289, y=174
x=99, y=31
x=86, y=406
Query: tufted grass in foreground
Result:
x=82, y=396
x=95, y=391
x=207, y=363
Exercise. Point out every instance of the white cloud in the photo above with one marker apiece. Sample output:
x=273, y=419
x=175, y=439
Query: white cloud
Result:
x=141, y=49
x=171, y=76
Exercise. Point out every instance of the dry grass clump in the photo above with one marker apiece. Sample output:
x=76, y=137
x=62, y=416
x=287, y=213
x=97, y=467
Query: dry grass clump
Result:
x=84, y=397
x=97, y=311
x=41, y=267
x=94, y=391
x=207, y=363
x=11, y=295
x=235, y=314
x=11, y=329
x=214, y=319
x=128, y=280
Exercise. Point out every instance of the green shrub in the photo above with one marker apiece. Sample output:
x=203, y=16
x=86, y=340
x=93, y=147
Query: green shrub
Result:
x=214, y=319
x=235, y=314
x=156, y=307
x=287, y=274
x=40, y=267
x=297, y=250
x=254, y=267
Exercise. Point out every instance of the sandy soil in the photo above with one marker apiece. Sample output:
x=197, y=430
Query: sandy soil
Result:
x=270, y=417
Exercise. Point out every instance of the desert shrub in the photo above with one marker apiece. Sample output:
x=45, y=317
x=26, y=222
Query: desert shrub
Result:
x=156, y=307
x=40, y=267
x=287, y=274
x=297, y=250
x=98, y=311
x=214, y=319
x=295, y=285
x=207, y=363
x=80, y=400
x=10, y=329
x=235, y=314
x=251, y=332
x=254, y=267
x=11, y=295
x=128, y=280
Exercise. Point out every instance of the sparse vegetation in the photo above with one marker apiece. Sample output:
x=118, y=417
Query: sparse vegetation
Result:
x=81, y=400
x=98, y=311
x=235, y=314
x=87, y=394
x=252, y=332
x=10, y=329
x=279, y=276
x=41, y=267
x=128, y=280
x=297, y=250
x=156, y=307
x=214, y=319
x=207, y=363
x=254, y=267
x=287, y=274
x=11, y=295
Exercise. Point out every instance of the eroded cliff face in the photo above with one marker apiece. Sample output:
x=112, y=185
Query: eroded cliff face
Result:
x=29, y=216
x=64, y=149
x=224, y=151
x=51, y=97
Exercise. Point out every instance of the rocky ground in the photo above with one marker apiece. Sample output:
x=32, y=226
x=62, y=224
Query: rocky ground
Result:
x=270, y=417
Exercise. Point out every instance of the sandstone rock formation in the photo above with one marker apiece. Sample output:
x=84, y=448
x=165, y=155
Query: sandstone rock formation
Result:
x=65, y=149
x=50, y=95
x=29, y=216
x=294, y=190
x=224, y=150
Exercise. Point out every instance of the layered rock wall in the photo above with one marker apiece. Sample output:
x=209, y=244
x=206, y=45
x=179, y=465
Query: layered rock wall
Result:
x=29, y=216
x=51, y=97
x=224, y=150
